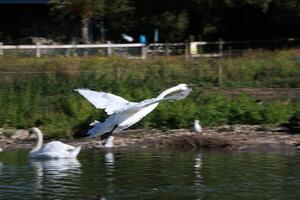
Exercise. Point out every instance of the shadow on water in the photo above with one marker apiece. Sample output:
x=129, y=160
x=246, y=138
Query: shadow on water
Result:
x=151, y=174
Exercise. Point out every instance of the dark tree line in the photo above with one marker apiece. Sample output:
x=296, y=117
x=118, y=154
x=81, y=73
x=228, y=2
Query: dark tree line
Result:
x=175, y=20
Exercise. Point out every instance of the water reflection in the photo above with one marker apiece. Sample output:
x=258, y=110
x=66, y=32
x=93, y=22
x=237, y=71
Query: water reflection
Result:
x=197, y=168
x=56, y=168
x=1, y=168
x=110, y=169
x=109, y=158
x=55, y=175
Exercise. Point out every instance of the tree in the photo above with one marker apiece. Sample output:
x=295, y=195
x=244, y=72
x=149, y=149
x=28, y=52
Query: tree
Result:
x=119, y=17
x=170, y=17
x=85, y=9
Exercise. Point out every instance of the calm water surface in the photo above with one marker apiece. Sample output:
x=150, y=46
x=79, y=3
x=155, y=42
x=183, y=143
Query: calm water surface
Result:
x=140, y=174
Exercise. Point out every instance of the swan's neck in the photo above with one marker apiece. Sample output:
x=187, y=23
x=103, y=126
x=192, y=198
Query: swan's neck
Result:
x=166, y=92
x=39, y=141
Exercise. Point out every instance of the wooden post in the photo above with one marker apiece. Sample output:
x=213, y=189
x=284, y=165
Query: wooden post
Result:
x=38, y=50
x=118, y=73
x=144, y=52
x=109, y=49
x=67, y=52
x=220, y=67
x=167, y=49
x=221, y=46
x=1, y=49
x=220, y=73
x=229, y=51
x=73, y=52
x=187, y=50
x=200, y=46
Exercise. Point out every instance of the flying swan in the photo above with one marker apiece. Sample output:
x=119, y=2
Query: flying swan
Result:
x=55, y=149
x=123, y=113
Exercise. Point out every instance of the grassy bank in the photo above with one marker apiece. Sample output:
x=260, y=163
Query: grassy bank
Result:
x=40, y=91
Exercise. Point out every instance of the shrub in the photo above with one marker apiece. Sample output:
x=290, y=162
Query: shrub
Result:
x=45, y=96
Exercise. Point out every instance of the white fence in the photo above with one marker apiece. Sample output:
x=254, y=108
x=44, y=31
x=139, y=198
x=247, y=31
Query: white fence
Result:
x=193, y=49
x=166, y=49
x=133, y=50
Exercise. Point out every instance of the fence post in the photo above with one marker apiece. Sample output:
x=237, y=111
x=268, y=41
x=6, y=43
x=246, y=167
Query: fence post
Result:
x=73, y=52
x=229, y=51
x=144, y=52
x=221, y=46
x=67, y=52
x=109, y=49
x=220, y=67
x=38, y=50
x=220, y=73
x=167, y=49
x=200, y=47
x=187, y=50
x=118, y=73
x=1, y=49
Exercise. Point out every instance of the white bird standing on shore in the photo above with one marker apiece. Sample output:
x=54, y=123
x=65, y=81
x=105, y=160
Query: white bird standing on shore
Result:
x=124, y=113
x=1, y=150
x=109, y=143
x=197, y=126
x=55, y=149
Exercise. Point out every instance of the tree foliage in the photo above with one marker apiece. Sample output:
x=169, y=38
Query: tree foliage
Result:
x=176, y=20
x=92, y=9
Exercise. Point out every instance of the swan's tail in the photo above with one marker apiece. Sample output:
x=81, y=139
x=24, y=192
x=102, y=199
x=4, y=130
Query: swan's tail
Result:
x=75, y=152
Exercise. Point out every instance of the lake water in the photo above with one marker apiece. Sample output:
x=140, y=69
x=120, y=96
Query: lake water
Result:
x=141, y=174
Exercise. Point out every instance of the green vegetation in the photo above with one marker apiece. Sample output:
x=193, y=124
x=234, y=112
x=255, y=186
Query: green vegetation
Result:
x=105, y=20
x=176, y=20
x=41, y=91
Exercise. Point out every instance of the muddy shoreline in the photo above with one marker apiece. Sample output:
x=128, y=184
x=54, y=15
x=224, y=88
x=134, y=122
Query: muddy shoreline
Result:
x=236, y=137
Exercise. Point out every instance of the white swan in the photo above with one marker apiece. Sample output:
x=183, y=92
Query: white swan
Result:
x=124, y=113
x=197, y=126
x=109, y=143
x=55, y=149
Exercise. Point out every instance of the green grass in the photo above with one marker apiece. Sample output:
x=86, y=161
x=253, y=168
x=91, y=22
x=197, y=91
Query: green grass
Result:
x=40, y=92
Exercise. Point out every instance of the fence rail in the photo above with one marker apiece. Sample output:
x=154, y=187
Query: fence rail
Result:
x=194, y=49
x=109, y=49
x=69, y=46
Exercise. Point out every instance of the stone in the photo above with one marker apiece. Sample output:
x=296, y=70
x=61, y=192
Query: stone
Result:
x=20, y=134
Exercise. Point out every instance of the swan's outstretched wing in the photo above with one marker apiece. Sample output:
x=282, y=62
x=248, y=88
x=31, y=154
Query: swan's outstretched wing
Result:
x=102, y=100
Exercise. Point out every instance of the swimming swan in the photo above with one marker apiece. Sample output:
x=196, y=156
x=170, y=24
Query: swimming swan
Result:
x=124, y=113
x=55, y=149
